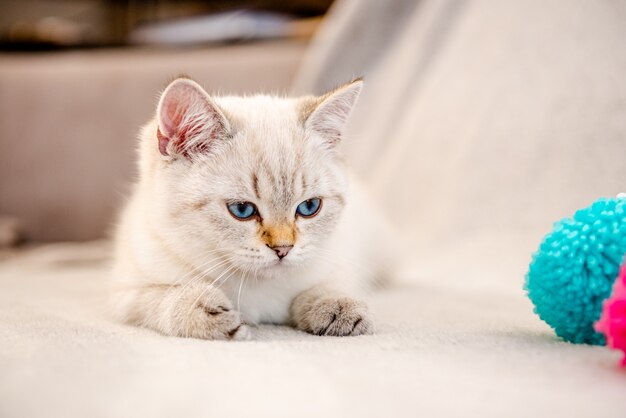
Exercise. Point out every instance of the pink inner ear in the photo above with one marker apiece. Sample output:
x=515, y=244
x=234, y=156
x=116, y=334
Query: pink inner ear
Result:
x=174, y=105
x=163, y=141
x=330, y=117
x=187, y=119
x=173, y=109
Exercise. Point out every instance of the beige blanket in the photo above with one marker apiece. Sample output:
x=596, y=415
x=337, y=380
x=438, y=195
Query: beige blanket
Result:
x=436, y=352
x=482, y=123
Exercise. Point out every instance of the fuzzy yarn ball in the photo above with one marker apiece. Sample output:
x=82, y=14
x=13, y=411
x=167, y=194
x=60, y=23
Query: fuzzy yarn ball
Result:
x=613, y=320
x=575, y=267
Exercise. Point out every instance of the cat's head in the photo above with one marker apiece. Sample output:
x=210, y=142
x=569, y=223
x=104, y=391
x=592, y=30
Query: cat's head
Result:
x=257, y=181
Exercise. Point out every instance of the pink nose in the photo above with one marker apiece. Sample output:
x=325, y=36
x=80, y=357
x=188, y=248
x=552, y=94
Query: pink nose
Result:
x=282, y=250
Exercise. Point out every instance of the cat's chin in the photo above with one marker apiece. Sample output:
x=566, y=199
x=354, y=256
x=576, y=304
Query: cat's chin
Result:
x=270, y=269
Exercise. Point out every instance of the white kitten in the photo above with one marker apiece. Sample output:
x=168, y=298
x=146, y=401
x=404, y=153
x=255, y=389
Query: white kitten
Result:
x=242, y=214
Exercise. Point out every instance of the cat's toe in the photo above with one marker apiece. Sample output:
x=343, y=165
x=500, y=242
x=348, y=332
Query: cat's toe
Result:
x=222, y=323
x=363, y=326
x=211, y=317
x=241, y=333
x=339, y=317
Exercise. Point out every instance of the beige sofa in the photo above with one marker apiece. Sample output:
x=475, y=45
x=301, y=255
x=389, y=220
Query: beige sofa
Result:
x=481, y=123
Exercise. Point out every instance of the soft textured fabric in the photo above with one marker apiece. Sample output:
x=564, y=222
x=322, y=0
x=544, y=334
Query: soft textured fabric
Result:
x=436, y=352
x=613, y=320
x=481, y=124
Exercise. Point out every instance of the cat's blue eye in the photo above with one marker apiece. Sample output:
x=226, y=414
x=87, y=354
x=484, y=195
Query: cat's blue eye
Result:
x=309, y=208
x=242, y=210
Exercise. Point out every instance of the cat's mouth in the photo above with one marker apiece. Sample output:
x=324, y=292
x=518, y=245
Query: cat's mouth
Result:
x=267, y=264
x=277, y=264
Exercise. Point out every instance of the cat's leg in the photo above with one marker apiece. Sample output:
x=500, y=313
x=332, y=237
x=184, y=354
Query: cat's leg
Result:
x=323, y=310
x=197, y=311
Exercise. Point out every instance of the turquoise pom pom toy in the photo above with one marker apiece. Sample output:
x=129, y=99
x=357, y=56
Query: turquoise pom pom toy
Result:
x=575, y=267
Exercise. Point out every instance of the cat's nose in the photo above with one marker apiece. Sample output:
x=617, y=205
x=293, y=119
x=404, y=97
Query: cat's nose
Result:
x=282, y=250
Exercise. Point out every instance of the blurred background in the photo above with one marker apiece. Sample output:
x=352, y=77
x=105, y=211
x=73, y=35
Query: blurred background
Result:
x=79, y=77
x=480, y=124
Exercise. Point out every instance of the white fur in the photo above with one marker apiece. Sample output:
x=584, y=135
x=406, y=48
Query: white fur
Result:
x=176, y=232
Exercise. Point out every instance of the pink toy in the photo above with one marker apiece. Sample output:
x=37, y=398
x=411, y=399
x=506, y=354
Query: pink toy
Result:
x=613, y=320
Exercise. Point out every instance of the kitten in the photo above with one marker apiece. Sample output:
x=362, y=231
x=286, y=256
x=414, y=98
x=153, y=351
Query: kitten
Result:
x=242, y=214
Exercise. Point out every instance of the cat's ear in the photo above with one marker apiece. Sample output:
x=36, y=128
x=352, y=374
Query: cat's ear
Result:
x=329, y=114
x=188, y=120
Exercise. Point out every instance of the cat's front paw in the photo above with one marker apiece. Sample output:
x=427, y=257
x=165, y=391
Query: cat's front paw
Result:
x=332, y=316
x=207, y=313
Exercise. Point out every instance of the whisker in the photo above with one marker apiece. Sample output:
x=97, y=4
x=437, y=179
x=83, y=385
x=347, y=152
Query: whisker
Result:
x=243, y=279
x=197, y=277
x=210, y=287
